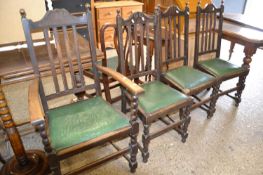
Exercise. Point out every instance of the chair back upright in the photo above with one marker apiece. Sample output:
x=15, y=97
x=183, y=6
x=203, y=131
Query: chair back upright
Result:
x=208, y=36
x=174, y=37
x=135, y=36
x=66, y=55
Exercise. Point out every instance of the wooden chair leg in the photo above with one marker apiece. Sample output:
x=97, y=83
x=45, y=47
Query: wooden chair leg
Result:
x=133, y=134
x=241, y=87
x=184, y=115
x=54, y=164
x=212, y=106
x=232, y=45
x=145, y=142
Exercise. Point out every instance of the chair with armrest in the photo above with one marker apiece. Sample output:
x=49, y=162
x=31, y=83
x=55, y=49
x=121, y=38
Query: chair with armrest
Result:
x=209, y=24
x=159, y=100
x=70, y=129
x=174, y=58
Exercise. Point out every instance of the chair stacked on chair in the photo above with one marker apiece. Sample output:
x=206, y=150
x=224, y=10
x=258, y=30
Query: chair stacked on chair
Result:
x=73, y=128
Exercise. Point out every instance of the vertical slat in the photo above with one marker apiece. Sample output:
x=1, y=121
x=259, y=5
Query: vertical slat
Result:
x=220, y=26
x=186, y=32
x=130, y=48
x=121, y=54
x=157, y=43
x=214, y=32
x=203, y=31
x=60, y=58
x=166, y=41
x=148, y=61
x=135, y=32
x=179, y=34
x=174, y=37
x=141, y=46
x=206, y=31
x=51, y=59
x=170, y=38
x=210, y=31
x=90, y=34
x=71, y=68
x=76, y=49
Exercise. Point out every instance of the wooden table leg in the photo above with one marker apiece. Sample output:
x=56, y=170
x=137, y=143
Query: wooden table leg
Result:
x=249, y=52
x=23, y=162
x=232, y=45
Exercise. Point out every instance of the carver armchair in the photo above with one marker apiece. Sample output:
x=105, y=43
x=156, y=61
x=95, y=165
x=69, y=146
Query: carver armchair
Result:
x=159, y=100
x=209, y=24
x=72, y=128
x=174, y=58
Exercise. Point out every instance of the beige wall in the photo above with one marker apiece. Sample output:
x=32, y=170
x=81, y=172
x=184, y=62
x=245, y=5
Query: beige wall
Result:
x=11, y=29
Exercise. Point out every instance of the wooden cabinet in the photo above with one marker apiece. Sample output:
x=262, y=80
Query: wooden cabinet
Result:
x=105, y=12
x=76, y=7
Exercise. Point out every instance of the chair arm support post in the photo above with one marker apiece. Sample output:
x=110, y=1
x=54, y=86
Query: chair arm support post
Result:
x=134, y=133
x=34, y=104
x=132, y=87
x=37, y=116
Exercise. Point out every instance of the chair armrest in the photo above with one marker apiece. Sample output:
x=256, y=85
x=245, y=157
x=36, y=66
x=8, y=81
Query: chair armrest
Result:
x=34, y=104
x=132, y=87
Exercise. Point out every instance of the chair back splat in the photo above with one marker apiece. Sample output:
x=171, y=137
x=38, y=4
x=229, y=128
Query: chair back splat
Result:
x=132, y=34
x=174, y=36
x=209, y=23
x=67, y=57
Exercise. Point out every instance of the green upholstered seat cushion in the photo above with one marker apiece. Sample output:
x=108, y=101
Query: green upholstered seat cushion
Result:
x=158, y=95
x=81, y=121
x=220, y=68
x=188, y=78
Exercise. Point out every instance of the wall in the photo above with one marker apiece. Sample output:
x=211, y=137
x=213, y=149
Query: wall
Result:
x=11, y=29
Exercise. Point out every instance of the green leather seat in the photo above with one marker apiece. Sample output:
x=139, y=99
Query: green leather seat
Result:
x=157, y=96
x=82, y=121
x=188, y=79
x=221, y=68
